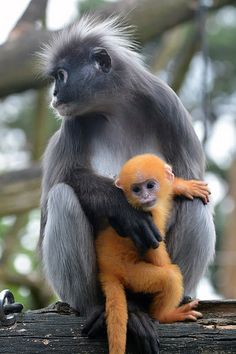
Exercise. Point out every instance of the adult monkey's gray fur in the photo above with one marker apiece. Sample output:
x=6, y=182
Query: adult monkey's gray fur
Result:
x=112, y=108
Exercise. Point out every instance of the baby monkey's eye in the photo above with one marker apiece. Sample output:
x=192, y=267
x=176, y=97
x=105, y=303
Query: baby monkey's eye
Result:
x=136, y=189
x=150, y=184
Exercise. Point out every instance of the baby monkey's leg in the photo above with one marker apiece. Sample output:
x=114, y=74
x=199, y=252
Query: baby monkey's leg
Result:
x=165, y=281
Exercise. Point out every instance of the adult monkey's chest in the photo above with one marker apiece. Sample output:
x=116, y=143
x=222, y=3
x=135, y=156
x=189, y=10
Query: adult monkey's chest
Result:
x=118, y=143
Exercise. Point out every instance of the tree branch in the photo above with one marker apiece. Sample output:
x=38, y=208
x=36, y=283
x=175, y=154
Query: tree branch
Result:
x=41, y=294
x=152, y=17
x=35, y=11
x=168, y=48
x=184, y=58
x=11, y=241
x=20, y=190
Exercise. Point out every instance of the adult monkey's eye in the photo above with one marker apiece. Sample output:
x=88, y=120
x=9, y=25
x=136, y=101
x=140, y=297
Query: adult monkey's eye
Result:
x=62, y=75
x=136, y=189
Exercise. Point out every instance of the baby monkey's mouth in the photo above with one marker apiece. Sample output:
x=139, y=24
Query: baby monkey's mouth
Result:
x=149, y=204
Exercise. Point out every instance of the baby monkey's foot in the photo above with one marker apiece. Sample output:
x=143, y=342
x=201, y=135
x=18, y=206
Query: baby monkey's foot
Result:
x=187, y=312
x=182, y=313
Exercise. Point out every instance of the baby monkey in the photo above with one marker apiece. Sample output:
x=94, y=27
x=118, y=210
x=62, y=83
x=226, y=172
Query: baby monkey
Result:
x=149, y=184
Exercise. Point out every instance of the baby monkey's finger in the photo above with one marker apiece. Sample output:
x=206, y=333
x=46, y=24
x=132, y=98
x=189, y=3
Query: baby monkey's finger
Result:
x=203, y=186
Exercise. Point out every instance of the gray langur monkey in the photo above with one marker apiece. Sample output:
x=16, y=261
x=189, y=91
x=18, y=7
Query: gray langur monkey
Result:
x=112, y=108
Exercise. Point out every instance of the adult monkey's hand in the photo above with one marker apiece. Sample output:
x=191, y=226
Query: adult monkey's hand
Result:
x=135, y=224
x=99, y=197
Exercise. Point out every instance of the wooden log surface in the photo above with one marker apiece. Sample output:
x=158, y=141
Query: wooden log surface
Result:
x=57, y=329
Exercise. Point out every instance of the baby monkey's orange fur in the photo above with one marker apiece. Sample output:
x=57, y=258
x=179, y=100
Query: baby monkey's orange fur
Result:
x=120, y=264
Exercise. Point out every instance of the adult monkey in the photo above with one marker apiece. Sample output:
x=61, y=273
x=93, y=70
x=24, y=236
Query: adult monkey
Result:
x=112, y=108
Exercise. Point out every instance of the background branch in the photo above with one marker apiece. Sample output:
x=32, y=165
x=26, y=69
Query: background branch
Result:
x=152, y=17
x=40, y=292
x=34, y=13
x=184, y=58
x=20, y=190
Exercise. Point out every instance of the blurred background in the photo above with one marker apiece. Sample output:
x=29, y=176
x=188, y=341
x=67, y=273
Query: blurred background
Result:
x=189, y=44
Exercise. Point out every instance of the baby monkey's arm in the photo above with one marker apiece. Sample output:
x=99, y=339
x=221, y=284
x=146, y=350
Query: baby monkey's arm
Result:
x=189, y=188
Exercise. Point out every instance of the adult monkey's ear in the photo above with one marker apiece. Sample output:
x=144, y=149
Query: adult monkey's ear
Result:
x=102, y=58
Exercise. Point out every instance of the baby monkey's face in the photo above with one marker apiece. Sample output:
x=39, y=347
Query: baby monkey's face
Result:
x=145, y=193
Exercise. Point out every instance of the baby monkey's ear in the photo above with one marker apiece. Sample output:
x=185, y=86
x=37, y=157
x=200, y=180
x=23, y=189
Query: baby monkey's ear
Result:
x=117, y=183
x=169, y=173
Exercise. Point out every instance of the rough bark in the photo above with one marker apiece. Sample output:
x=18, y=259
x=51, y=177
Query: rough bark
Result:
x=58, y=330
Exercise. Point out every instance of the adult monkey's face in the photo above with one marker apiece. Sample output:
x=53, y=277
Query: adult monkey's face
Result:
x=81, y=79
x=94, y=67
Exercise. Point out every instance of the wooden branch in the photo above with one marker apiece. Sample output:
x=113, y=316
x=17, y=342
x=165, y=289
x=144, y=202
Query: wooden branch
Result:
x=35, y=11
x=11, y=240
x=155, y=17
x=18, y=63
x=184, y=58
x=57, y=329
x=168, y=48
x=152, y=17
x=40, y=124
x=20, y=190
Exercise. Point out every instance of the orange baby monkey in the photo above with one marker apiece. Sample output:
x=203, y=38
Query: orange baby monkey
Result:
x=148, y=184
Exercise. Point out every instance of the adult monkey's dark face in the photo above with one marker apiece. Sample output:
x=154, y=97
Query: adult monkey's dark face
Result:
x=93, y=68
x=82, y=78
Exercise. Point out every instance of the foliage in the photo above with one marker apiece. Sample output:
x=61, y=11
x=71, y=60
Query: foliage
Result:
x=88, y=5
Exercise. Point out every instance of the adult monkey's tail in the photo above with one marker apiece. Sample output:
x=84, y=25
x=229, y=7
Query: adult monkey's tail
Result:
x=116, y=313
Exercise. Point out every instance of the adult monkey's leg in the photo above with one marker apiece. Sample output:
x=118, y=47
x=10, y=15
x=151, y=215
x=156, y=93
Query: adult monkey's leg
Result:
x=191, y=241
x=68, y=250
